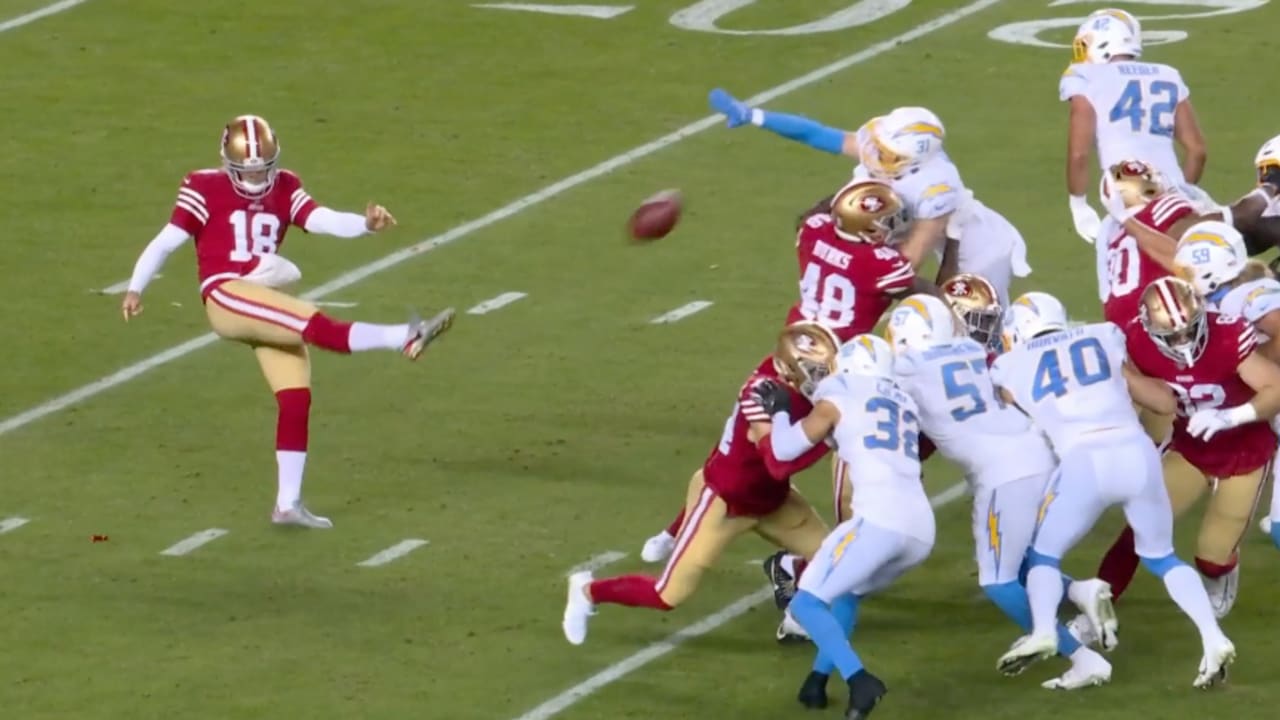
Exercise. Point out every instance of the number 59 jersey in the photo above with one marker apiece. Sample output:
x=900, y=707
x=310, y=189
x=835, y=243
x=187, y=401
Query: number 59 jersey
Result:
x=960, y=413
x=231, y=231
x=846, y=285
x=878, y=436
x=1071, y=385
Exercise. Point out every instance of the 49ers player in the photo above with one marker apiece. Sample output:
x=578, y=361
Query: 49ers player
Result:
x=742, y=487
x=238, y=215
x=1222, y=391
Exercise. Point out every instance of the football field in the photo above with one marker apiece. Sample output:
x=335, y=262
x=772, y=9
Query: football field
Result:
x=586, y=377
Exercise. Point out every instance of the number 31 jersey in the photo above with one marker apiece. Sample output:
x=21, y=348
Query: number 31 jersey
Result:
x=231, y=231
x=846, y=285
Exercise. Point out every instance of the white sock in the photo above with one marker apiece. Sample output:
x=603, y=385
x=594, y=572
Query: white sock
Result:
x=291, y=463
x=788, y=563
x=1044, y=591
x=368, y=336
x=1187, y=590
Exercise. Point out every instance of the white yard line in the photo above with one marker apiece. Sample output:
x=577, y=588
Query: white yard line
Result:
x=682, y=312
x=34, y=15
x=12, y=523
x=598, y=561
x=602, y=12
x=631, y=663
x=187, y=545
x=335, y=304
x=399, y=550
x=514, y=208
x=495, y=303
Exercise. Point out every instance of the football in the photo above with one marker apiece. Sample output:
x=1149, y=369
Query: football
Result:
x=656, y=217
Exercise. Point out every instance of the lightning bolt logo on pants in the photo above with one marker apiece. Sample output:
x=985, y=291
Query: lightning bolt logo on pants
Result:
x=993, y=529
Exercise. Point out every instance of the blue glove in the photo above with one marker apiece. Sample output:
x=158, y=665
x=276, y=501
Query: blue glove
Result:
x=734, y=110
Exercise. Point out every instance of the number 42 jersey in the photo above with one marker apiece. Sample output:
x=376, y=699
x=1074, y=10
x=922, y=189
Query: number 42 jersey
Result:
x=233, y=232
x=846, y=285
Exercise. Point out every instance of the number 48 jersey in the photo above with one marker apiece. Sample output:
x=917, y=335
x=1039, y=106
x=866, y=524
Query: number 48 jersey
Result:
x=231, y=231
x=846, y=285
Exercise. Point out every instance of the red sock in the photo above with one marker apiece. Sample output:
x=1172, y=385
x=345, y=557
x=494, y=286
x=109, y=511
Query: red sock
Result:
x=674, y=528
x=629, y=590
x=292, y=420
x=927, y=448
x=1120, y=563
x=327, y=333
x=1213, y=570
x=800, y=565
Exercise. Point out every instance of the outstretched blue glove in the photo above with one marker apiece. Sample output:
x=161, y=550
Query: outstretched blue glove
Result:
x=734, y=110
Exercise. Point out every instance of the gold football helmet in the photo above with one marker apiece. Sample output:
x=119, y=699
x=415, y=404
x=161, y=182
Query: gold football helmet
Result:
x=977, y=303
x=1174, y=316
x=807, y=352
x=867, y=211
x=1137, y=182
x=250, y=150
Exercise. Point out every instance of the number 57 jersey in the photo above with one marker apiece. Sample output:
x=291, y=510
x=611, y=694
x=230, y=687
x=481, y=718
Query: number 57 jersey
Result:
x=846, y=285
x=233, y=232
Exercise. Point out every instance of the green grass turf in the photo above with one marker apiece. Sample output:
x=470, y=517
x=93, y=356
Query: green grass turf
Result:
x=535, y=437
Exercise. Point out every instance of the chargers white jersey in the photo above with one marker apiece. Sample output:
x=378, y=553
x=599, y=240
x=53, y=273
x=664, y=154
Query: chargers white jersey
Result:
x=1071, y=385
x=1251, y=300
x=878, y=435
x=960, y=413
x=1134, y=103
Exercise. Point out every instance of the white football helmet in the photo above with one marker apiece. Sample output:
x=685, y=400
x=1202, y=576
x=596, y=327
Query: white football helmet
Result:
x=896, y=144
x=1032, y=314
x=867, y=355
x=1107, y=34
x=922, y=321
x=1210, y=254
x=1268, y=157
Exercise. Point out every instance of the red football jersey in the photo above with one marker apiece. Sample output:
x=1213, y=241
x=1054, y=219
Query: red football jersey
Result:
x=1212, y=382
x=846, y=285
x=735, y=470
x=1130, y=270
x=232, y=231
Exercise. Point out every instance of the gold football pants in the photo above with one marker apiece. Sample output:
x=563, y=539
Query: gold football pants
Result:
x=268, y=321
x=1230, y=508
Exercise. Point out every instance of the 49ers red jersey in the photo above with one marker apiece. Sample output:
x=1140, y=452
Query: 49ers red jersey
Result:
x=1212, y=382
x=735, y=469
x=1129, y=269
x=231, y=231
x=846, y=285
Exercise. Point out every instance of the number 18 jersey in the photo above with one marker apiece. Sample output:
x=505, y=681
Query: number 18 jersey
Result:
x=846, y=285
x=1071, y=385
x=231, y=231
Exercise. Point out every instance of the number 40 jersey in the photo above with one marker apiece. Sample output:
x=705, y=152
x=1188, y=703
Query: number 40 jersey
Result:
x=846, y=285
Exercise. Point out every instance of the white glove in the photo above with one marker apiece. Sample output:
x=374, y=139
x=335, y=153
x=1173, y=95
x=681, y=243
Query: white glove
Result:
x=1205, y=424
x=1084, y=218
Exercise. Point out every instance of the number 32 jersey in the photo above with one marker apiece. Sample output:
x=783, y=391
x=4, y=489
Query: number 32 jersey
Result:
x=231, y=231
x=846, y=285
x=1212, y=382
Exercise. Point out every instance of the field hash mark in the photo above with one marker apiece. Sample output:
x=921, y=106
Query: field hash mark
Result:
x=395, y=552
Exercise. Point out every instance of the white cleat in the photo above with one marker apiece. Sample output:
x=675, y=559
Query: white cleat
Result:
x=1088, y=669
x=1026, y=651
x=299, y=515
x=1223, y=591
x=578, y=609
x=658, y=548
x=1082, y=630
x=1094, y=599
x=790, y=631
x=422, y=332
x=1213, y=666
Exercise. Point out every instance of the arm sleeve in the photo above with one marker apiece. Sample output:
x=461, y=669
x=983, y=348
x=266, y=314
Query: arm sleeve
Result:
x=324, y=221
x=783, y=470
x=801, y=129
x=788, y=440
x=170, y=238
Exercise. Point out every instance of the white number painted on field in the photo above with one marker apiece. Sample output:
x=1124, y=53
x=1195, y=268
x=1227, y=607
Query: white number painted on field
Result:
x=1028, y=32
x=495, y=303
x=703, y=16
x=603, y=12
x=262, y=229
x=186, y=545
x=12, y=523
x=399, y=550
x=597, y=561
x=682, y=312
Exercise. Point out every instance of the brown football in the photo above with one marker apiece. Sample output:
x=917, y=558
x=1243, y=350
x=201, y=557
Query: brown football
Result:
x=656, y=217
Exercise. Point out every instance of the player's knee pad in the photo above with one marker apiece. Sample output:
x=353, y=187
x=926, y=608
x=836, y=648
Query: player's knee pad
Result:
x=1162, y=565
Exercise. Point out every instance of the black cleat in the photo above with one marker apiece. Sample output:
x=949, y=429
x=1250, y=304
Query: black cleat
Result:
x=865, y=691
x=784, y=586
x=813, y=693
